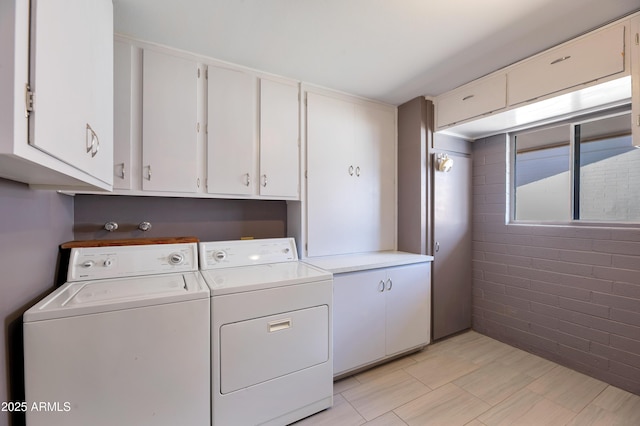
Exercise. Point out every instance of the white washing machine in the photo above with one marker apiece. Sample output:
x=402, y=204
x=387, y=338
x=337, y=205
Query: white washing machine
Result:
x=124, y=342
x=271, y=332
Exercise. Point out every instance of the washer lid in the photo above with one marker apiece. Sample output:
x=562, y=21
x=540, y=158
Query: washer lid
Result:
x=257, y=277
x=90, y=297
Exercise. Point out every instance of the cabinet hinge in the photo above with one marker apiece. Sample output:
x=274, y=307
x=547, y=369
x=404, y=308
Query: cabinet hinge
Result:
x=206, y=74
x=198, y=127
x=305, y=174
x=28, y=98
x=198, y=72
x=637, y=39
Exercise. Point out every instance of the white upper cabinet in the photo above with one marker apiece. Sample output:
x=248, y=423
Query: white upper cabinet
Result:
x=170, y=124
x=123, y=110
x=190, y=126
x=252, y=135
x=350, y=176
x=597, y=55
x=279, y=139
x=67, y=139
x=231, y=132
x=472, y=100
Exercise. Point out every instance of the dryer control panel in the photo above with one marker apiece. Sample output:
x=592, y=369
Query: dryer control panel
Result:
x=90, y=263
x=226, y=254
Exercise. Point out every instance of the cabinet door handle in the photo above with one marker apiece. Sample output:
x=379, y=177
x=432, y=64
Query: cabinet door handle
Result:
x=264, y=180
x=564, y=58
x=149, y=172
x=389, y=284
x=437, y=247
x=467, y=97
x=381, y=286
x=248, y=180
x=358, y=171
x=350, y=170
x=92, y=142
x=122, y=174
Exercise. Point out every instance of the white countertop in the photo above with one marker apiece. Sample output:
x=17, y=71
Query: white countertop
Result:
x=362, y=261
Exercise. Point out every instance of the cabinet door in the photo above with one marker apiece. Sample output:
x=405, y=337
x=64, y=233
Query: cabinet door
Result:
x=408, y=307
x=373, y=200
x=471, y=100
x=72, y=81
x=122, y=109
x=596, y=56
x=232, y=128
x=358, y=319
x=169, y=123
x=331, y=182
x=279, y=139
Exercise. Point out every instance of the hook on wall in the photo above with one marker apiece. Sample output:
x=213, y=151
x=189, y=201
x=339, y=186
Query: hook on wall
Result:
x=144, y=226
x=110, y=226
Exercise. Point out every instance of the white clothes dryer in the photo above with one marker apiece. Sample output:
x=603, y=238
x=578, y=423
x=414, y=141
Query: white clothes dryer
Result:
x=271, y=332
x=124, y=342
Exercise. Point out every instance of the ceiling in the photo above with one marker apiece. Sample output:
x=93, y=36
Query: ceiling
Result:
x=389, y=50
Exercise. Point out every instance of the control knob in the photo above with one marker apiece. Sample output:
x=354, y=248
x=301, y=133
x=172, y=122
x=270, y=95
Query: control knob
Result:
x=220, y=255
x=176, y=258
x=88, y=264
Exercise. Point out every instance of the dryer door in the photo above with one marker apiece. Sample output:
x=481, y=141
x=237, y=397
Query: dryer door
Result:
x=265, y=348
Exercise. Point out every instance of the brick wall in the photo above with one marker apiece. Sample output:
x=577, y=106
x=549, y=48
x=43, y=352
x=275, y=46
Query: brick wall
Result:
x=568, y=293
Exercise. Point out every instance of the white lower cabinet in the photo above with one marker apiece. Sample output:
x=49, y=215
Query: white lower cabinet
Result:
x=379, y=313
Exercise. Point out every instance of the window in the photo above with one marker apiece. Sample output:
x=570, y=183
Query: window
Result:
x=584, y=170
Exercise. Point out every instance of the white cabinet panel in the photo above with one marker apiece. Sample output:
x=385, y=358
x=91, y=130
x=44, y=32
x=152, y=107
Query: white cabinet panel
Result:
x=330, y=174
x=350, y=176
x=358, y=320
x=62, y=52
x=595, y=56
x=472, y=100
x=408, y=309
x=379, y=313
x=232, y=133
x=73, y=83
x=375, y=179
x=169, y=123
x=123, y=97
x=279, y=139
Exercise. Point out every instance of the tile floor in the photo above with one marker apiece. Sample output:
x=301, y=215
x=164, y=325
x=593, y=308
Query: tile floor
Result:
x=471, y=379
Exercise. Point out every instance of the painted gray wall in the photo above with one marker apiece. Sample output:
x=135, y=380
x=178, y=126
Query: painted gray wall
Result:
x=568, y=293
x=32, y=225
x=207, y=219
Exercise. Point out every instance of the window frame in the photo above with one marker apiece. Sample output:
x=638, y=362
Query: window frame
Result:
x=574, y=164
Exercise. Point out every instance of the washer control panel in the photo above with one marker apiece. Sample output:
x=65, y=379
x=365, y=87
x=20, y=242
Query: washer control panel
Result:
x=129, y=261
x=226, y=254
